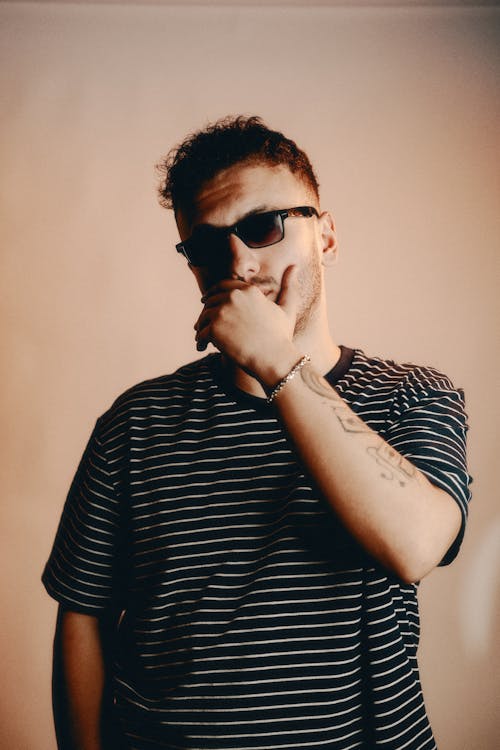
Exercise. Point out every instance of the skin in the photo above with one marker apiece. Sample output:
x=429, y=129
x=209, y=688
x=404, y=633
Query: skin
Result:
x=78, y=681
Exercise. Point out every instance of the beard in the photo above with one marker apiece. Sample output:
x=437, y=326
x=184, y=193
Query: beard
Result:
x=309, y=281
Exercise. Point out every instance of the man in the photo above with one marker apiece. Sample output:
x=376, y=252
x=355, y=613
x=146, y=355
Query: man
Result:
x=238, y=555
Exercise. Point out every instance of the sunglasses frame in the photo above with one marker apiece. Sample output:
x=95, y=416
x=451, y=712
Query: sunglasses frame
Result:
x=282, y=213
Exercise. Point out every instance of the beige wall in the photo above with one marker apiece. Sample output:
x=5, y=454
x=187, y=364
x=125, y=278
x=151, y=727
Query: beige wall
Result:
x=397, y=109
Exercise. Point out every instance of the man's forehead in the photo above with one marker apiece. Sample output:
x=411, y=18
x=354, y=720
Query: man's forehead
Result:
x=243, y=189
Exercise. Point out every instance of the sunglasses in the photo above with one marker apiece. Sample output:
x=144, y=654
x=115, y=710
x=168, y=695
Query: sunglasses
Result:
x=209, y=245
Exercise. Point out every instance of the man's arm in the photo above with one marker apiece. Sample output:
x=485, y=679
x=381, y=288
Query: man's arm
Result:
x=78, y=681
x=386, y=503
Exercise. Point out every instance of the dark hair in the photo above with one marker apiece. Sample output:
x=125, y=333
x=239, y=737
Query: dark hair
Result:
x=231, y=140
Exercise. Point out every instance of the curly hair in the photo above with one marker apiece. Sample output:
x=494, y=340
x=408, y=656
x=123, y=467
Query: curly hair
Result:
x=222, y=144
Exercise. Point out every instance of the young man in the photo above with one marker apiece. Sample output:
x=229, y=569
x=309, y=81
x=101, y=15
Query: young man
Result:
x=239, y=551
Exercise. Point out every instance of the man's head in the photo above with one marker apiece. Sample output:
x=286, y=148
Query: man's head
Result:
x=225, y=143
x=224, y=183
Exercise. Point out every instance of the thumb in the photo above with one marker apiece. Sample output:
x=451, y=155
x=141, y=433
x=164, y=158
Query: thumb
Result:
x=289, y=294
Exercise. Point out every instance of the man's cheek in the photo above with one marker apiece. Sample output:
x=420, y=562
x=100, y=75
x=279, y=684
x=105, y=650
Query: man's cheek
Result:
x=206, y=277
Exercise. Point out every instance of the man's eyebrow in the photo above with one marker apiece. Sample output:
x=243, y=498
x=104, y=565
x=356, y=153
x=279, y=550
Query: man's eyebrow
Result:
x=257, y=210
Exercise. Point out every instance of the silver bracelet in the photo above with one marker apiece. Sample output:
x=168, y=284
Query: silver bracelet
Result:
x=295, y=369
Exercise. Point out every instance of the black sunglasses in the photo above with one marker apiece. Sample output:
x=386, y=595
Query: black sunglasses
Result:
x=208, y=244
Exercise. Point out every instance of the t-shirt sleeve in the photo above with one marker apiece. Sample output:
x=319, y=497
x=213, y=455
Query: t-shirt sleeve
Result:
x=429, y=427
x=84, y=569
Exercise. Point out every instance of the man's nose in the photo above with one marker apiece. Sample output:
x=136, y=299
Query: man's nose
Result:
x=243, y=262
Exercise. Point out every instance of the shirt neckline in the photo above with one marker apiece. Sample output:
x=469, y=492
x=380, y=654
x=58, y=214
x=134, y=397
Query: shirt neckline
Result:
x=223, y=381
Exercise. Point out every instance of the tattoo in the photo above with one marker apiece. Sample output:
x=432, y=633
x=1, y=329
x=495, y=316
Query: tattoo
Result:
x=349, y=421
x=394, y=466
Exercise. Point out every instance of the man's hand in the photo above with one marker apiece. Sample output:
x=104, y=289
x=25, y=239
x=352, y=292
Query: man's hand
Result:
x=253, y=331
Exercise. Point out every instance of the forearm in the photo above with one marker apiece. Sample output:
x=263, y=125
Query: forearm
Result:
x=385, y=502
x=81, y=682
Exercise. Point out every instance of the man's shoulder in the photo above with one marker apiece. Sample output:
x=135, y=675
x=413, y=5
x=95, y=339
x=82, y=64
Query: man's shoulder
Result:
x=375, y=373
x=163, y=390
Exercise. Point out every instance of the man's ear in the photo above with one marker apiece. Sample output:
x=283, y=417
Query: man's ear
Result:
x=329, y=243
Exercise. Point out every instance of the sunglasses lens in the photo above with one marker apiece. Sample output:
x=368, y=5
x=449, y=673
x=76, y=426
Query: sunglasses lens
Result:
x=205, y=245
x=208, y=245
x=261, y=230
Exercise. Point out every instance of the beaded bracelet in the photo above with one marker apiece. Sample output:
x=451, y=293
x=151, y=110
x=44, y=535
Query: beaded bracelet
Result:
x=295, y=369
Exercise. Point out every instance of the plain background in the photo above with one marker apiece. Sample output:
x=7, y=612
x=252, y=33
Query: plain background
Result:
x=398, y=110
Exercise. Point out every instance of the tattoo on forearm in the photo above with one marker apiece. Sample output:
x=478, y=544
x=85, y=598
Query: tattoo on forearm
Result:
x=394, y=466
x=349, y=421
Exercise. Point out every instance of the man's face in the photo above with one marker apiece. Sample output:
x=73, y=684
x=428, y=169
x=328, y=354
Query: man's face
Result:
x=243, y=189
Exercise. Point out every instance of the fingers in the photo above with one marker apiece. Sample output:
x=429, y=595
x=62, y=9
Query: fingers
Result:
x=212, y=305
x=224, y=286
x=210, y=313
x=289, y=293
x=233, y=310
x=201, y=328
x=215, y=299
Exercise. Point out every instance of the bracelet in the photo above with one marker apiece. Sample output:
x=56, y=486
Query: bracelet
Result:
x=295, y=369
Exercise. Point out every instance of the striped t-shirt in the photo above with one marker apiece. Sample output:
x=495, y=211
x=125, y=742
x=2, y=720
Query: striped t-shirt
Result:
x=247, y=616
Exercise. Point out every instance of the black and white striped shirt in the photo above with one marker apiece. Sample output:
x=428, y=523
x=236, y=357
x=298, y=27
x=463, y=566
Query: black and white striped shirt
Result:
x=250, y=618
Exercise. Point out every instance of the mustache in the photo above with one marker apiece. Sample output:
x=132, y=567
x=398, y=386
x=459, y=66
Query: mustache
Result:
x=261, y=281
